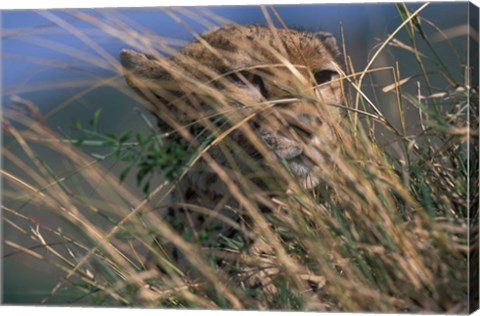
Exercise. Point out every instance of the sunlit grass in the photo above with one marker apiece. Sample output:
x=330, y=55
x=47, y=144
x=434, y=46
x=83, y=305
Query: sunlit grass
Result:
x=386, y=229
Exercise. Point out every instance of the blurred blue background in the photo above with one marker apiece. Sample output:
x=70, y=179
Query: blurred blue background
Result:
x=66, y=62
x=48, y=56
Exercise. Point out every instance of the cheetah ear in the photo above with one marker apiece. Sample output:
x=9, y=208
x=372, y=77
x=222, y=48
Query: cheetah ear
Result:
x=138, y=66
x=147, y=76
x=330, y=42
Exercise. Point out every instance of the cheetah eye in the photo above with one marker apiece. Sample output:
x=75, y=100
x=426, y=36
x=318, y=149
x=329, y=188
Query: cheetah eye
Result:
x=257, y=81
x=324, y=76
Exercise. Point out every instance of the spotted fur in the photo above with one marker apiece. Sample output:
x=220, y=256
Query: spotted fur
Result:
x=249, y=65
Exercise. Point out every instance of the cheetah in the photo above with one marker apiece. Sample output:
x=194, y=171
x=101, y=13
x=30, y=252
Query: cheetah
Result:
x=246, y=97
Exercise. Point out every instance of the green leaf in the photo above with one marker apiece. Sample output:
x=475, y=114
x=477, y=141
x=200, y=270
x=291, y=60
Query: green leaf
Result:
x=143, y=139
x=128, y=157
x=76, y=124
x=124, y=136
x=97, y=156
x=124, y=173
x=405, y=13
x=96, y=116
x=111, y=135
x=146, y=188
x=111, y=142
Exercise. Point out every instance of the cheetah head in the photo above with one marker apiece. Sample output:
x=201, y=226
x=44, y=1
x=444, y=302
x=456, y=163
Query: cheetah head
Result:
x=280, y=82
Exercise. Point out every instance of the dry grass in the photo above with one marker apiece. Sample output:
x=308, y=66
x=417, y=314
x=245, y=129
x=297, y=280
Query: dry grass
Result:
x=385, y=230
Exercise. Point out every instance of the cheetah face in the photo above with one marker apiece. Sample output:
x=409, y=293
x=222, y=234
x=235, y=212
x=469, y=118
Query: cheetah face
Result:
x=286, y=78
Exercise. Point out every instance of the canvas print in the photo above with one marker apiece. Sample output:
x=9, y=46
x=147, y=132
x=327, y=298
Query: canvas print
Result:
x=318, y=157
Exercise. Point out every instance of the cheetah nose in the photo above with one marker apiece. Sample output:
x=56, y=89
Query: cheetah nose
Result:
x=310, y=120
x=305, y=124
x=302, y=129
